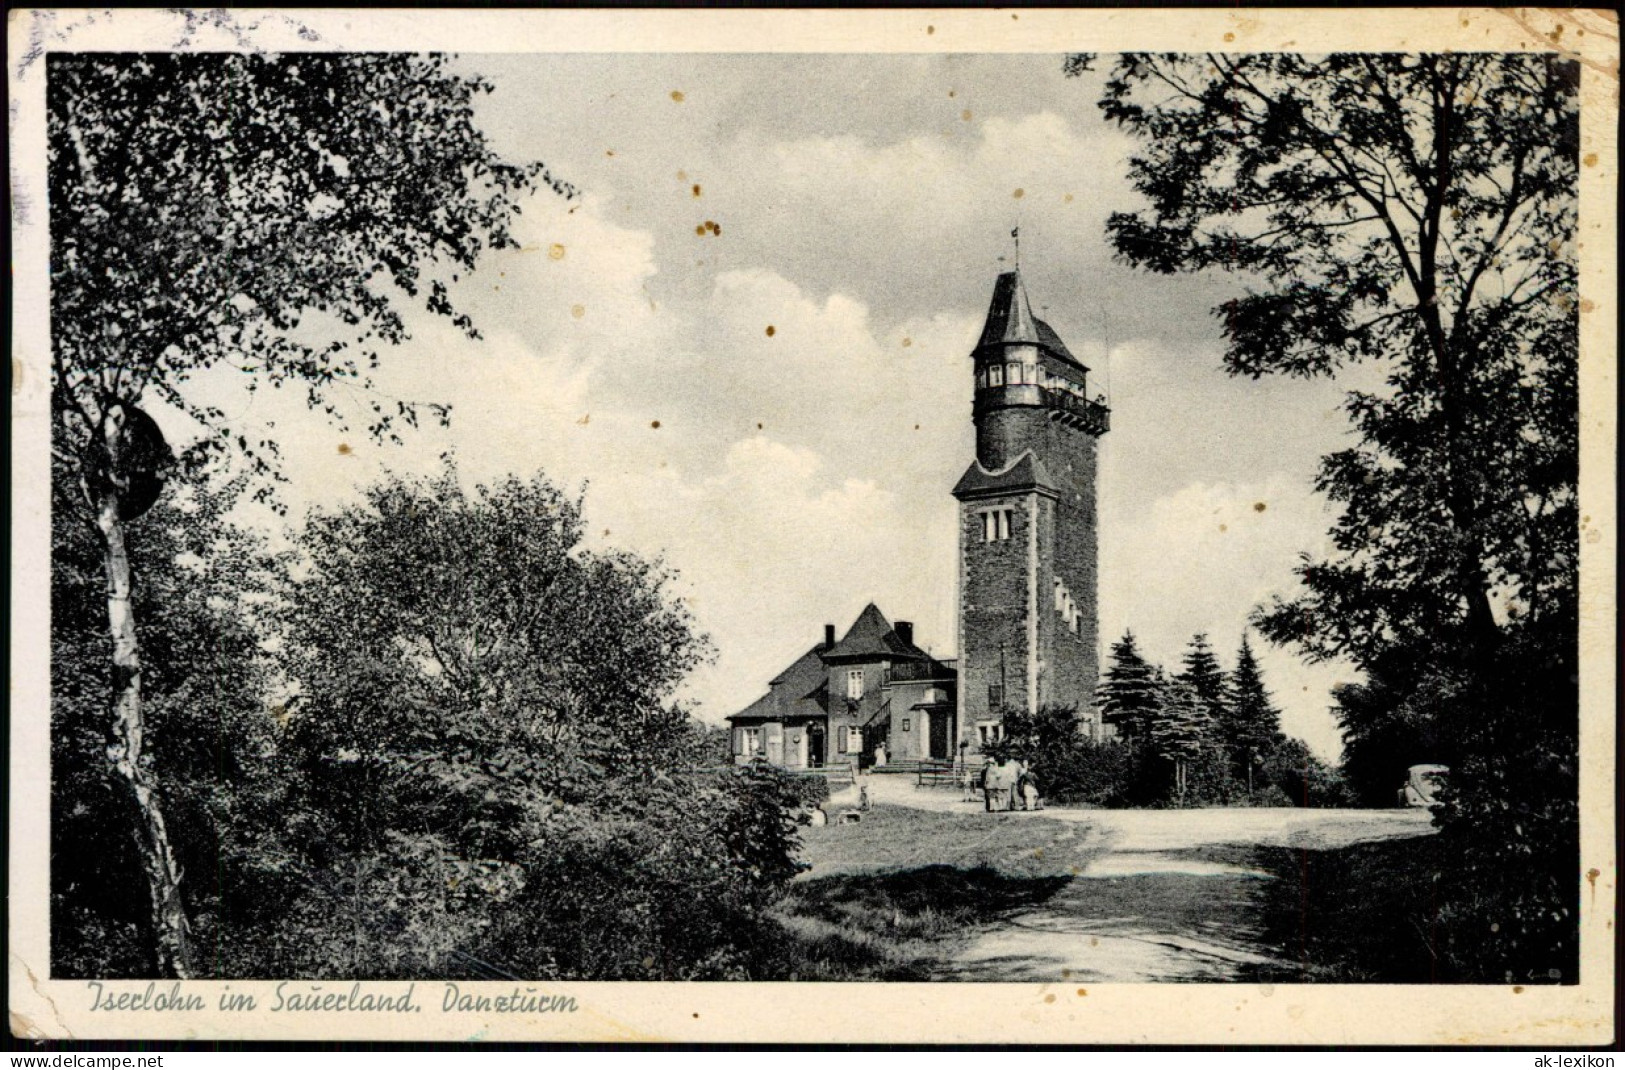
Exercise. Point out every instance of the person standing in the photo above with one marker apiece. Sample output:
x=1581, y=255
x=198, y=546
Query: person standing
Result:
x=989, y=778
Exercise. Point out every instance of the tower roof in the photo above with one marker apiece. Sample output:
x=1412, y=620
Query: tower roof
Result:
x=1010, y=321
x=1025, y=473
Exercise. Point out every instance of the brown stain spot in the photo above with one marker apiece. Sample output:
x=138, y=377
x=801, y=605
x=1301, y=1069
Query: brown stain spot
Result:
x=965, y=115
x=1591, y=879
x=1083, y=991
x=952, y=94
x=1587, y=305
x=709, y=227
x=1066, y=199
x=1259, y=507
x=1517, y=990
x=931, y=30
x=696, y=189
x=655, y=424
x=609, y=152
x=1224, y=527
x=606, y=533
x=1093, y=940
x=1019, y=193
x=682, y=176
x=696, y=1014
x=907, y=342
x=916, y=427
x=758, y=425
x=555, y=251
x=578, y=311
x=771, y=331
x=1050, y=998
x=344, y=449
x=585, y=419
x=1229, y=37
x=677, y=96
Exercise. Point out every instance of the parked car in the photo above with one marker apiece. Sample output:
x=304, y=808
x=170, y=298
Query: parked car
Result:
x=1422, y=784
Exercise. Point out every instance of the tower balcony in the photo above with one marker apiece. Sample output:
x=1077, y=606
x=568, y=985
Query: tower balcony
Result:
x=1093, y=417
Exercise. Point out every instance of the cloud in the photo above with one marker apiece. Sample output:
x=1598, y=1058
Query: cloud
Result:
x=780, y=406
x=1199, y=560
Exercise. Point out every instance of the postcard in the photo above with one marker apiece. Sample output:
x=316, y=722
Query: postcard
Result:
x=911, y=526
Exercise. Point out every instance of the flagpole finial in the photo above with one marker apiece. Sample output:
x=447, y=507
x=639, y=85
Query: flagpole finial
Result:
x=1015, y=235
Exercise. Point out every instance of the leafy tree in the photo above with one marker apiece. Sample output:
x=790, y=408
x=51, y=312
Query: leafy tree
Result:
x=1417, y=211
x=1413, y=209
x=1251, y=725
x=485, y=749
x=461, y=661
x=271, y=214
x=1128, y=689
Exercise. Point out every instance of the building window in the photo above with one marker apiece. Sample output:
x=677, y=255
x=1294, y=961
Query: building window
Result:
x=854, y=684
x=841, y=738
x=995, y=696
x=996, y=525
x=750, y=741
x=989, y=732
x=908, y=725
x=1012, y=373
x=995, y=375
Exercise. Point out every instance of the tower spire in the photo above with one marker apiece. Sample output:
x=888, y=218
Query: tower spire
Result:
x=1016, y=236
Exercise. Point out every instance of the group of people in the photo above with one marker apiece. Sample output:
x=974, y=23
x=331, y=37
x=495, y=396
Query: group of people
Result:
x=1006, y=785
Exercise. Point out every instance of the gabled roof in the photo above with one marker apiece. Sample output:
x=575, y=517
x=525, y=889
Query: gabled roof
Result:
x=872, y=636
x=1025, y=473
x=802, y=689
x=1010, y=321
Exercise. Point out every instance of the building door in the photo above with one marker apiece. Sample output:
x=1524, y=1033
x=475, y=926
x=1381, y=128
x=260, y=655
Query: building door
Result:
x=815, y=745
x=938, y=725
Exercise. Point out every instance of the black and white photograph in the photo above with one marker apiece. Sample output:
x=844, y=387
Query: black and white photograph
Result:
x=969, y=509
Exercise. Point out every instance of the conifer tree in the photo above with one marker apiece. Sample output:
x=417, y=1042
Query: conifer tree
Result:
x=1253, y=724
x=1129, y=689
x=1202, y=672
x=1181, y=734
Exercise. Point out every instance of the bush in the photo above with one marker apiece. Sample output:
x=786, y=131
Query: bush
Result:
x=671, y=882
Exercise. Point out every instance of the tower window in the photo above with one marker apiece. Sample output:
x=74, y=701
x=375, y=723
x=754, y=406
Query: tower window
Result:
x=1012, y=374
x=996, y=525
x=995, y=375
x=854, y=684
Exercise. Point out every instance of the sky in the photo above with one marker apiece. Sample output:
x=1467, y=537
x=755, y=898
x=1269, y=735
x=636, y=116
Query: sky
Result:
x=748, y=337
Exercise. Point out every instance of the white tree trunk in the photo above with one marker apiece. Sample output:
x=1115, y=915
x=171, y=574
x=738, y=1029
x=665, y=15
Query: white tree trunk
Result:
x=170, y=926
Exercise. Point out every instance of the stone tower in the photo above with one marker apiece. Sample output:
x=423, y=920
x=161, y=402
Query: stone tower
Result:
x=1027, y=529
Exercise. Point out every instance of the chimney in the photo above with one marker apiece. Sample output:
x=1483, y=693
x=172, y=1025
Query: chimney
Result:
x=905, y=631
x=829, y=636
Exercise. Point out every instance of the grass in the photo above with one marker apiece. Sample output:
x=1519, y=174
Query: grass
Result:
x=1365, y=913
x=891, y=897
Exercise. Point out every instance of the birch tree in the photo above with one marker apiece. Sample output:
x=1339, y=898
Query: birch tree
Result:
x=264, y=213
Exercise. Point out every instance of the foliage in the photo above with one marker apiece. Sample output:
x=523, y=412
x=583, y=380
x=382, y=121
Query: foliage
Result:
x=207, y=207
x=664, y=881
x=1128, y=689
x=210, y=732
x=1069, y=766
x=1250, y=723
x=217, y=211
x=1418, y=212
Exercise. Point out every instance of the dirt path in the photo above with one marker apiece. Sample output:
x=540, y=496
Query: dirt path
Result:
x=1164, y=898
